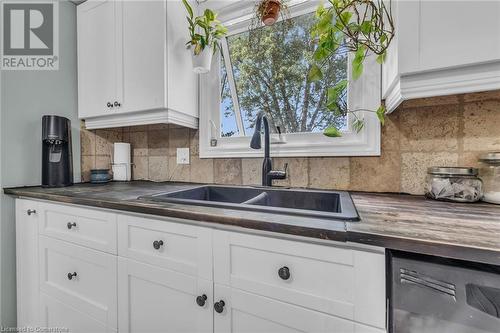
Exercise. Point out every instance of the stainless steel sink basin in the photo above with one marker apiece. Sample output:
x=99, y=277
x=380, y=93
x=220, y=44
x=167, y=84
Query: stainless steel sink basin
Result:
x=308, y=203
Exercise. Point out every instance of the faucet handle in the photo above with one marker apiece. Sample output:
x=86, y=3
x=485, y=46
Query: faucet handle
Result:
x=278, y=174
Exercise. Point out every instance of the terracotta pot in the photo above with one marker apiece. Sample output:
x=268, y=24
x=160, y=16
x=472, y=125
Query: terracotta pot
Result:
x=270, y=11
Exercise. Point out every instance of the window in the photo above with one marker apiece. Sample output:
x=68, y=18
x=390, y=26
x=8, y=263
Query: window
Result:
x=268, y=73
x=265, y=70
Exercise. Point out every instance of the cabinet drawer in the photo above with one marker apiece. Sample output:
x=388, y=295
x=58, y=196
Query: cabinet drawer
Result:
x=176, y=246
x=247, y=312
x=337, y=281
x=82, y=278
x=54, y=313
x=88, y=227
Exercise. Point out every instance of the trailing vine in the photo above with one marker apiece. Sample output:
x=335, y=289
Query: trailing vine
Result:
x=362, y=27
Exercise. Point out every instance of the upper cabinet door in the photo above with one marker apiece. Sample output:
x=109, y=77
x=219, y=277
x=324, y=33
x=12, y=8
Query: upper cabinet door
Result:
x=442, y=48
x=98, y=59
x=144, y=59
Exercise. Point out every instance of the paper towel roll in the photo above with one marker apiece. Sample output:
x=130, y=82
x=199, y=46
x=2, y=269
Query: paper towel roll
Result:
x=121, y=153
x=122, y=172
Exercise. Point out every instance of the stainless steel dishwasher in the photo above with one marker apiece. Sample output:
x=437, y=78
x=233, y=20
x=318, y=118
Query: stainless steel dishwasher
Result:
x=437, y=295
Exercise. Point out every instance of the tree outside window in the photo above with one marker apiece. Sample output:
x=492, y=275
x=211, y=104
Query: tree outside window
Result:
x=268, y=69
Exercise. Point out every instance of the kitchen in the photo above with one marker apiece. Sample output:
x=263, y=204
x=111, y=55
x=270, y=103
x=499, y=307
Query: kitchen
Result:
x=250, y=166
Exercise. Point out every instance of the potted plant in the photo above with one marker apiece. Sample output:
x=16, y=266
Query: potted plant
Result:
x=267, y=12
x=362, y=27
x=205, y=33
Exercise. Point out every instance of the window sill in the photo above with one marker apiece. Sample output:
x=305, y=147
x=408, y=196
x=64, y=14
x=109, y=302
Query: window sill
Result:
x=366, y=143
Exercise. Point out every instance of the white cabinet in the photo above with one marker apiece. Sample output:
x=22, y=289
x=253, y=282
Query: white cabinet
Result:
x=81, y=277
x=54, y=313
x=328, y=279
x=442, y=48
x=171, y=275
x=133, y=66
x=157, y=300
x=171, y=245
x=98, y=58
x=244, y=312
x=27, y=262
x=95, y=229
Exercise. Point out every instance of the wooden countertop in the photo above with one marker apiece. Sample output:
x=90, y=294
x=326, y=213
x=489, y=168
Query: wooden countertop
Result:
x=413, y=223
x=394, y=221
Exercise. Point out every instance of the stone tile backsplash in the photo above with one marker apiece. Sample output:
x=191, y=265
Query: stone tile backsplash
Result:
x=449, y=130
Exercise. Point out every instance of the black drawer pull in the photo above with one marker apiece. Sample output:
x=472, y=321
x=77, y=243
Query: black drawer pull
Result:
x=71, y=275
x=284, y=273
x=71, y=225
x=219, y=306
x=31, y=211
x=201, y=300
x=157, y=244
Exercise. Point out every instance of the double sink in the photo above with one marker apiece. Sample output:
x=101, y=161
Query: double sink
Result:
x=336, y=205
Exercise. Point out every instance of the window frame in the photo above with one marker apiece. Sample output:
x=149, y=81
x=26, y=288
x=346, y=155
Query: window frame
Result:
x=364, y=93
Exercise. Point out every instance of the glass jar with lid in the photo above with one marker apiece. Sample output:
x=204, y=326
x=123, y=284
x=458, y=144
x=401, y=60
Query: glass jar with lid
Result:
x=453, y=184
x=490, y=174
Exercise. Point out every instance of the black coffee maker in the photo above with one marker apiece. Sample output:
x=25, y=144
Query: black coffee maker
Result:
x=57, y=159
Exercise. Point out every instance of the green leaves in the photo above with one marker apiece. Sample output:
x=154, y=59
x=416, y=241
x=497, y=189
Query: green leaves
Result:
x=357, y=62
x=189, y=9
x=209, y=15
x=332, y=132
x=205, y=30
x=381, y=58
x=358, y=125
x=333, y=95
x=315, y=73
x=381, y=114
x=366, y=27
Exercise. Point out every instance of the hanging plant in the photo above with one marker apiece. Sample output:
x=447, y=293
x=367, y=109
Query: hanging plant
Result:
x=268, y=12
x=362, y=27
x=205, y=33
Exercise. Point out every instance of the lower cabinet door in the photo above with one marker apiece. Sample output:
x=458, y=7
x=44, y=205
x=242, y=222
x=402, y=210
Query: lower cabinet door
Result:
x=61, y=317
x=152, y=299
x=245, y=312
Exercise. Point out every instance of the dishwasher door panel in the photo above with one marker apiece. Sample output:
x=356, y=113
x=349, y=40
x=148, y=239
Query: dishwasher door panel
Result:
x=431, y=294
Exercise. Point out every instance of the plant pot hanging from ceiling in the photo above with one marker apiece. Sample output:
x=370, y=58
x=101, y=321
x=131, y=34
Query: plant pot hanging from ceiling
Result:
x=269, y=10
x=202, y=61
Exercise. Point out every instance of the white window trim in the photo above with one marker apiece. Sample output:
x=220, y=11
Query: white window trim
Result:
x=364, y=93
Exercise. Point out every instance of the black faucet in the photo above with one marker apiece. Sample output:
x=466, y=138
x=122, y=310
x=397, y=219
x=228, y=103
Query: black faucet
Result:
x=268, y=174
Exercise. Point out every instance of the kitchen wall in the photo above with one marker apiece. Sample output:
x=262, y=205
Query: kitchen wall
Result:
x=25, y=97
x=450, y=130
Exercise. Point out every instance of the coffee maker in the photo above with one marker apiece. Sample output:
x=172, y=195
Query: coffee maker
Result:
x=57, y=159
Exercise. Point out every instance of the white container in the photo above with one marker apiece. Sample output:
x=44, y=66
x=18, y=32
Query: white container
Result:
x=122, y=165
x=122, y=172
x=203, y=61
x=490, y=174
x=121, y=153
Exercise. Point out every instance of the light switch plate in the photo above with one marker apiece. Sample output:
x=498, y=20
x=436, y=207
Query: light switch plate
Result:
x=182, y=155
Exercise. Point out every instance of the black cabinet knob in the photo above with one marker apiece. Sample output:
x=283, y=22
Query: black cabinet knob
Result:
x=200, y=300
x=157, y=244
x=284, y=273
x=219, y=306
x=31, y=211
x=71, y=275
x=117, y=104
x=109, y=105
x=71, y=225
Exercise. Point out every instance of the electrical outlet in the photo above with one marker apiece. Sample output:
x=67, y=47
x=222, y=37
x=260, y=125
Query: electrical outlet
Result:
x=182, y=155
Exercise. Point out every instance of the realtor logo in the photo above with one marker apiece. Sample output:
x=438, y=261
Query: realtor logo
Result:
x=30, y=39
